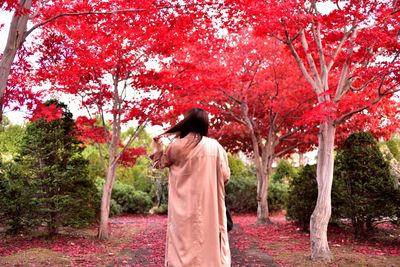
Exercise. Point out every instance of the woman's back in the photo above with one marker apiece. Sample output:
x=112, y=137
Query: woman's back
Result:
x=197, y=233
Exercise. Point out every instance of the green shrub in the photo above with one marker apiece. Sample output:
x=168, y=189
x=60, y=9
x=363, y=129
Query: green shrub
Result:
x=394, y=147
x=17, y=205
x=279, y=185
x=115, y=208
x=125, y=199
x=284, y=172
x=131, y=200
x=363, y=183
x=50, y=171
x=277, y=195
x=142, y=178
x=241, y=190
x=302, y=196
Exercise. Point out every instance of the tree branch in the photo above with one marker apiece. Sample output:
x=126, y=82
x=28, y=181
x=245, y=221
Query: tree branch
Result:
x=284, y=151
x=373, y=102
x=303, y=69
x=342, y=87
x=310, y=59
x=316, y=30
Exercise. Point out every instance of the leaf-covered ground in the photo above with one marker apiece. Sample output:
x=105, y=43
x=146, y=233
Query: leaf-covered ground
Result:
x=140, y=240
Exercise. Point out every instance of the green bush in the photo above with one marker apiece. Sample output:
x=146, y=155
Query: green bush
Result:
x=363, y=184
x=125, y=199
x=241, y=190
x=302, y=196
x=277, y=196
x=17, y=204
x=48, y=184
x=142, y=178
x=115, y=208
x=284, y=172
x=279, y=185
x=394, y=147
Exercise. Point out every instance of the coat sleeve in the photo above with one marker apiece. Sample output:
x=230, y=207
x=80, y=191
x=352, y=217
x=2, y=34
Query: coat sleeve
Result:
x=223, y=165
x=161, y=159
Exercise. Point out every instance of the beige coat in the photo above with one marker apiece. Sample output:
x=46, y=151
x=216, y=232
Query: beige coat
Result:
x=196, y=233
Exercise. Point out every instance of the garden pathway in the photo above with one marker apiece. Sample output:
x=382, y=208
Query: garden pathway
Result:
x=148, y=248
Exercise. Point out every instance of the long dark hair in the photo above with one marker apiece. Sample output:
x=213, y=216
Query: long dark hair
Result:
x=195, y=121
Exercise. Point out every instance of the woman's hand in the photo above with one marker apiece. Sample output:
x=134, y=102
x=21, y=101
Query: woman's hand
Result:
x=156, y=145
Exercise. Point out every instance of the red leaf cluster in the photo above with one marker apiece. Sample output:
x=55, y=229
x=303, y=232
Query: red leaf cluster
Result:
x=87, y=131
x=49, y=113
x=130, y=155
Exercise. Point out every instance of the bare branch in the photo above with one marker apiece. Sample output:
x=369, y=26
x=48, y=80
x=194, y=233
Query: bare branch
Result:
x=303, y=69
x=349, y=114
x=74, y=14
x=316, y=30
x=231, y=97
x=138, y=130
x=234, y=116
x=342, y=86
x=310, y=59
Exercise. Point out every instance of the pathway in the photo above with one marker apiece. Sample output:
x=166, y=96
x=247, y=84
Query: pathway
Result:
x=148, y=247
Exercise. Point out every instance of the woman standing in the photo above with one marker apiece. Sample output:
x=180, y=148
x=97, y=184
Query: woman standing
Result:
x=197, y=227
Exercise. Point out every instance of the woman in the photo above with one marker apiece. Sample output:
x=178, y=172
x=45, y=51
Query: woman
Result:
x=197, y=232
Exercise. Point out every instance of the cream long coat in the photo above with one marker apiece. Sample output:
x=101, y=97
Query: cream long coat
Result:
x=196, y=232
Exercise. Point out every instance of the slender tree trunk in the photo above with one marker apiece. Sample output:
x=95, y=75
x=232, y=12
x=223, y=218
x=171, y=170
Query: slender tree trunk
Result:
x=105, y=202
x=113, y=149
x=262, y=199
x=16, y=37
x=322, y=212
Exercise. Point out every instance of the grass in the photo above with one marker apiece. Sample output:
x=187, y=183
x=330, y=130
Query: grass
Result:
x=37, y=256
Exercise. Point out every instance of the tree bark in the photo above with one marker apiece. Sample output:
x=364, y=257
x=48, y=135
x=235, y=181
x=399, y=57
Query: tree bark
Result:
x=322, y=212
x=16, y=37
x=114, y=155
x=262, y=198
x=103, y=233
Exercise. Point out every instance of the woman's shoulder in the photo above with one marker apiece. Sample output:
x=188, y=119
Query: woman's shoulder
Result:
x=213, y=142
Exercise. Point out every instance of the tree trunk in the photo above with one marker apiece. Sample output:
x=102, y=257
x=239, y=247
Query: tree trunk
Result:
x=112, y=164
x=105, y=202
x=322, y=212
x=16, y=37
x=262, y=200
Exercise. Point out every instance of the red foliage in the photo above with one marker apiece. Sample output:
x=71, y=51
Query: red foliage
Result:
x=88, y=131
x=361, y=66
x=130, y=155
x=49, y=113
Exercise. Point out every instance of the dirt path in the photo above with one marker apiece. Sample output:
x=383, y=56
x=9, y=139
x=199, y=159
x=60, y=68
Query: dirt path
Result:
x=150, y=250
x=252, y=255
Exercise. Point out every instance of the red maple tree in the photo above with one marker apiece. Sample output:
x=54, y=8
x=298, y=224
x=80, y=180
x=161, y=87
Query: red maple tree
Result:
x=349, y=56
x=109, y=63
